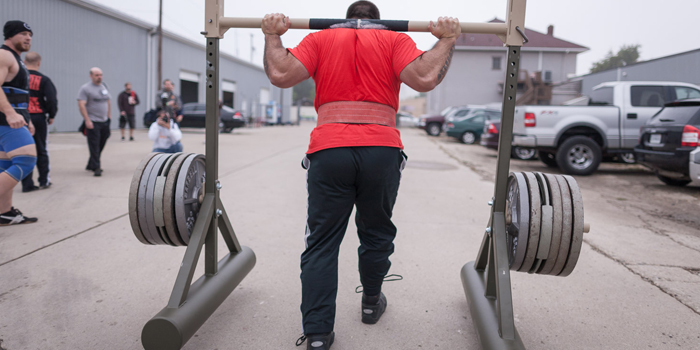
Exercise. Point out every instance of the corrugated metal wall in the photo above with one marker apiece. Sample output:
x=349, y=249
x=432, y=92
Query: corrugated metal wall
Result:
x=72, y=39
x=683, y=67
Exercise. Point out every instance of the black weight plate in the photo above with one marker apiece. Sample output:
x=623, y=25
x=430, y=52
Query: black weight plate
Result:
x=150, y=187
x=189, y=189
x=577, y=230
x=158, y=192
x=566, y=225
x=545, y=240
x=169, y=200
x=517, y=219
x=556, y=224
x=143, y=182
x=535, y=217
x=133, y=199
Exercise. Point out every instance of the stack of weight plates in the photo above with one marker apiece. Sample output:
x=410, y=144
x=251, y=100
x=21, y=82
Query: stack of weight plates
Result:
x=165, y=197
x=544, y=223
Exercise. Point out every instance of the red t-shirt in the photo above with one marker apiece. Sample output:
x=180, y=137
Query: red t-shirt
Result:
x=355, y=65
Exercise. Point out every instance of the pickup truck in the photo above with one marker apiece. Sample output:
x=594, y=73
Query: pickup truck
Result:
x=578, y=138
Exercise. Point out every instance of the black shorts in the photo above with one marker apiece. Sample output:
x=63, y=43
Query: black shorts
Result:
x=123, y=120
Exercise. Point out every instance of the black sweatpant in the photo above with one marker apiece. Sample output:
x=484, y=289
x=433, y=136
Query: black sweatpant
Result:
x=96, y=139
x=337, y=180
x=41, y=126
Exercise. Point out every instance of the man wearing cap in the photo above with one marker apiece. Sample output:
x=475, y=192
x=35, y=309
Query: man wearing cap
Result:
x=355, y=155
x=17, y=149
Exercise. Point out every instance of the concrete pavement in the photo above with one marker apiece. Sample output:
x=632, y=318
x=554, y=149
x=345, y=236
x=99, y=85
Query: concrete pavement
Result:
x=79, y=279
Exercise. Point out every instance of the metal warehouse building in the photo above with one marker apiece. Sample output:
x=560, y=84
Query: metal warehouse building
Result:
x=683, y=67
x=74, y=35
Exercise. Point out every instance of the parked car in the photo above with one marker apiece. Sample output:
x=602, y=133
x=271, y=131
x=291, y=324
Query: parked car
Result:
x=406, y=120
x=433, y=124
x=489, y=139
x=193, y=116
x=578, y=138
x=669, y=143
x=467, y=124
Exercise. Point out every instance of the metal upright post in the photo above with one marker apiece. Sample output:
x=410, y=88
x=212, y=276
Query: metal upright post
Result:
x=212, y=151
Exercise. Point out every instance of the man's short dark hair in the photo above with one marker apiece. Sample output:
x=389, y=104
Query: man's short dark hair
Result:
x=166, y=80
x=362, y=10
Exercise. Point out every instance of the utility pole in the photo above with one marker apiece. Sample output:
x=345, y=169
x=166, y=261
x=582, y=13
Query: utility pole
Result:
x=252, y=48
x=160, y=43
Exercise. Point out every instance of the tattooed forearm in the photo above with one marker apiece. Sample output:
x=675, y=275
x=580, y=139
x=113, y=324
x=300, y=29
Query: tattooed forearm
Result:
x=443, y=71
x=267, y=68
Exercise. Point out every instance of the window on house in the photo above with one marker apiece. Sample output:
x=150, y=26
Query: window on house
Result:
x=547, y=76
x=495, y=63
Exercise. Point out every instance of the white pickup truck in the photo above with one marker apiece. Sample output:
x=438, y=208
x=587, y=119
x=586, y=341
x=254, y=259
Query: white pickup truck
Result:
x=577, y=138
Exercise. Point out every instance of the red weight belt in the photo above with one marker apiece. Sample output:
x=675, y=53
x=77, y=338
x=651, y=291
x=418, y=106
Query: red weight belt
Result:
x=356, y=112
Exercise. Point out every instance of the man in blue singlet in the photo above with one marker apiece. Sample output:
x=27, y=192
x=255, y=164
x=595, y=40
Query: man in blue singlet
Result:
x=17, y=149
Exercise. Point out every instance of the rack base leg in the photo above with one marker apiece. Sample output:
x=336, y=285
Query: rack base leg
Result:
x=171, y=328
x=483, y=311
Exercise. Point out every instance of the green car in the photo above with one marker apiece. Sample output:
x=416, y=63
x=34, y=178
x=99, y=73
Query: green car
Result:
x=468, y=128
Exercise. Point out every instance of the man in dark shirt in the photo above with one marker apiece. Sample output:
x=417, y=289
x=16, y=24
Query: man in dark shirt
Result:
x=43, y=106
x=128, y=99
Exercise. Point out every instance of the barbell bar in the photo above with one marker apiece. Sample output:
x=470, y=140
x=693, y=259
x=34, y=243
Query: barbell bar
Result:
x=394, y=25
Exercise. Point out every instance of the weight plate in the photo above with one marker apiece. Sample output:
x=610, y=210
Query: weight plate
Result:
x=556, y=224
x=169, y=200
x=133, y=199
x=141, y=206
x=545, y=240
x=566, y=225
x=150, y=187
x=158, y=192
x=189, y=188
x=517, y=219
x=577, y=230
x=535, y=217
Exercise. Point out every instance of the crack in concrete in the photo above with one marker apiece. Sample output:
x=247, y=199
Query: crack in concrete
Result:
x=63, y=239
x=489, y=177
x=650, y=281
x=649, y=226
x=485, y=175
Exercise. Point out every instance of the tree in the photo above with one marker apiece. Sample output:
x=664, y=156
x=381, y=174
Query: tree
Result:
x=305, y=89
x=627, y=55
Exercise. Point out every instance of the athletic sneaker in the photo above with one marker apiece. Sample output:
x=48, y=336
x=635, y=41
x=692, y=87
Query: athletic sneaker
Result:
x=317, y=341
x=131, y=138
x=15, y=217
x=30, y=189
x=373, y=308
x=43, y=187
x=98, y=172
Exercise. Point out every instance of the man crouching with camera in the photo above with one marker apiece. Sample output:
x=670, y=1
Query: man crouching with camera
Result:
x=165, y=134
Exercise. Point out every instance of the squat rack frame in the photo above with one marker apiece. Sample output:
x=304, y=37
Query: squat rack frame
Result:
x=486, y=281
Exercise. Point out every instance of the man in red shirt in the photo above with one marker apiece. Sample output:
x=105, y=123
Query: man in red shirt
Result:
x=355, y=155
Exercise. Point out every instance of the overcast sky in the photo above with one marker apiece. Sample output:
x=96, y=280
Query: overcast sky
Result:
x=661, y=27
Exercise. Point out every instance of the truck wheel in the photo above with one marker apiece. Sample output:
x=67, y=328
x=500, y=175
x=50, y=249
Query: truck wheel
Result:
x=468, y=137
x=627, y=158
x=548, y=158
x=523, y=153
x=579, y=155
x=433, y=129
x=673, y=182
